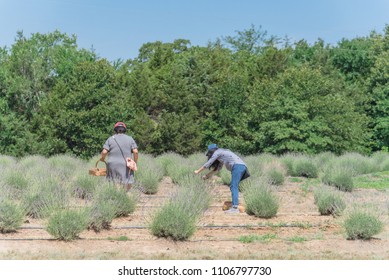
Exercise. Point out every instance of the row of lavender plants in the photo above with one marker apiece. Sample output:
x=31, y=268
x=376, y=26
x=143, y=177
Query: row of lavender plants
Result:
x=60, y=191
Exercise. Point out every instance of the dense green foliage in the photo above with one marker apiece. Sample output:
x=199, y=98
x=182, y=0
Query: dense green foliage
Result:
x=250, y=92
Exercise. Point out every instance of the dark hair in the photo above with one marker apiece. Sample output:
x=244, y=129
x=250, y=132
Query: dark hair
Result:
x=210, y=153
x=216, y=163
x=120, y=129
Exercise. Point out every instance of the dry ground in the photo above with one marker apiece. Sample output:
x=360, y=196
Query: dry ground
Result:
x=297, y=232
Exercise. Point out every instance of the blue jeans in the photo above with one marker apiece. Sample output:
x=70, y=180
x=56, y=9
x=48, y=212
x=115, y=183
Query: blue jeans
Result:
x=236, y=176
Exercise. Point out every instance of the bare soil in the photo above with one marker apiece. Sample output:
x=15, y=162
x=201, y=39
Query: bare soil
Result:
x=297, y=232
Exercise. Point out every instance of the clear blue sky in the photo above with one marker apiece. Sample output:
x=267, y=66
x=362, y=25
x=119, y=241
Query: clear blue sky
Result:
x=118, y=28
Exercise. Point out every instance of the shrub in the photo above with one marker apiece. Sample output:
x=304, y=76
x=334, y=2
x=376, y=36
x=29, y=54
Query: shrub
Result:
x=362, y=224
x=381, y=161
x=123, y=202
x=177, y=218
x=275, y=177
x=343, y=182
x=305, y=167
x=6, y=162
x=44, y=196
x=260, y=200
x=196, y=160
x=275, y=173
x=33, y=164
x=174, y=222
x=299, y=165
x=289, y=160
x=384, y=166
x=101, y=216
x=167, y=160
x=255, y=163
x=16, y=181
x=339, y=177
x=149, y=174
x=176, y=166
x=225, y=175
x=65, y=165
x=356, y=163
x=11, y=216
x=324, y=159
x=84, y=185
x=193, y=195
x=329, y=202
x=67, y=224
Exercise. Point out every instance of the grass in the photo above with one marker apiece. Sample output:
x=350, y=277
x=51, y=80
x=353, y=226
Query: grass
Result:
x=377, y=180
x=296, y=239
x=261, y=238
x=119, y=238
x=276, y=225
x=295, y=180
x=303, y=225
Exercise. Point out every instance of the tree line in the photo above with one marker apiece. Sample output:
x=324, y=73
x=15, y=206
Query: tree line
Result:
x=250, y=92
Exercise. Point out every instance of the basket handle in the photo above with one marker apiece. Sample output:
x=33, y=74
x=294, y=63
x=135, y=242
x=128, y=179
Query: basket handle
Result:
x=101, y=161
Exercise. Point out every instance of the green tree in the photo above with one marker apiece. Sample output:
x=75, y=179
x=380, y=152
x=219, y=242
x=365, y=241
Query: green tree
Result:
x=378, y=84
x=354, y=58
x=303, y=110
x=226, y=123
x=80, y=112
x=33, y=67
x=252, y=40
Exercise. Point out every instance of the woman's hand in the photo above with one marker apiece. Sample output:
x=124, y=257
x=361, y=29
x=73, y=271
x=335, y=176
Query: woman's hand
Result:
x=199, y=170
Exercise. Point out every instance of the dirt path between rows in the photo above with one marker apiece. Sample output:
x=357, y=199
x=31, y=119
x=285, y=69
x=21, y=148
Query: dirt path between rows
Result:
x=297, y=232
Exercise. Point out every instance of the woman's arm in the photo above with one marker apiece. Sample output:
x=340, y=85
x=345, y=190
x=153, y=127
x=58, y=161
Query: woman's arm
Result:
x=199, y=170
x=104, y=153
x=135, y=152
x=209, y=174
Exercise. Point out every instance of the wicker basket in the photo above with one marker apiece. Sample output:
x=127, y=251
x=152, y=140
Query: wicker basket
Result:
x=228, y=204
x=98, y=171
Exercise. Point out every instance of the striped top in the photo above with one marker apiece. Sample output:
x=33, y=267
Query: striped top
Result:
x=226, y=157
